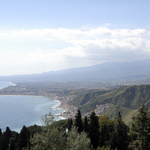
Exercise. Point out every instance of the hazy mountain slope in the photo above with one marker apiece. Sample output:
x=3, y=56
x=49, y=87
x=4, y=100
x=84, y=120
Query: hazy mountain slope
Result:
x=102, y=72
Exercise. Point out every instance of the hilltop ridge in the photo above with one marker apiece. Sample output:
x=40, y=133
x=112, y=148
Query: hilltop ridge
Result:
x=135, y=72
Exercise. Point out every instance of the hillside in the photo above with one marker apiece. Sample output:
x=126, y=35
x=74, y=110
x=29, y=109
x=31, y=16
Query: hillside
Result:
x=125, y=99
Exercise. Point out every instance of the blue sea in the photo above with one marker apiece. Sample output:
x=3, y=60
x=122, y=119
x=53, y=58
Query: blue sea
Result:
x=16, y=111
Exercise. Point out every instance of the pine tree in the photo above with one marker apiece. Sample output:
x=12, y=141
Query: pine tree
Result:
x=94, y=133
x=141, y=129
x=78, y=122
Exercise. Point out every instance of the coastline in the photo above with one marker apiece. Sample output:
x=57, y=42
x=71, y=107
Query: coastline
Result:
x=68, y=111
x=65, y=114
x=58, y=96
x=19, y=111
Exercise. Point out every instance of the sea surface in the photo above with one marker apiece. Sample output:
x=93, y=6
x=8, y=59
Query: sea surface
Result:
x=16, y=111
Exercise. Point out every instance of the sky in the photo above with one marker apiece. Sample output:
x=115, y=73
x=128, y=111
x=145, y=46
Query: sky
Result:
x=46, y=35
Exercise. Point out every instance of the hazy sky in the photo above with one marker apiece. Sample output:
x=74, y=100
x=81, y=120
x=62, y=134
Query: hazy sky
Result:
x=44, y=35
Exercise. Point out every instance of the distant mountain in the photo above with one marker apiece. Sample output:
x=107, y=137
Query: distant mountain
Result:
x=113, y=71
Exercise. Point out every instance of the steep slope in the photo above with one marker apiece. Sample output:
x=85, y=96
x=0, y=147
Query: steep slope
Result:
x=126, y=100
x=129, y=96
x=84, y=96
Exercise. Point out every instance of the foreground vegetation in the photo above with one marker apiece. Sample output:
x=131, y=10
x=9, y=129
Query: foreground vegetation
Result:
x=82, y=133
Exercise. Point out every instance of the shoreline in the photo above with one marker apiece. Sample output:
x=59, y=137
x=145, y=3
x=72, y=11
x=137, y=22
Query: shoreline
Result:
x=66, y=109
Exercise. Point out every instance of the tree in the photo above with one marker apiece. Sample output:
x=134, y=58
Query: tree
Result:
x=49, y=138
x=141, y=129
x=106, y=130
x=85, y=125
x=1, y=139
x=23, y=140
x=77, y=141
x=70, y=123
x=6, y=138
x=94, y=133
x=47, y=119
x=12, y=145
x=78, y=122
x=120, y=138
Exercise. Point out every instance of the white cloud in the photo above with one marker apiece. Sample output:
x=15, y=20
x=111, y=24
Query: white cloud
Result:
x=40, y=50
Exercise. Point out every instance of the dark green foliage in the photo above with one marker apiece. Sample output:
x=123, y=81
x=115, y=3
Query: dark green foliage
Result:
x=23, y=140
x=107, y=128
x=120, y=138
x=34, y=129
x=85, y=124
x=141, y=130
x=70, y=123
x=104, y=135
x=78, y=121
x=12, y=145
x=94, y=133
x=5, y=138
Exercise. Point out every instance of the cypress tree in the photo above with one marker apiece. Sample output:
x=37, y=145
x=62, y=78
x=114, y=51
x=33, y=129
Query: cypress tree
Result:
x=70, y=124
x=1, y=138
x=23, y=140
x=78, y=122
x=0, y=132
x=5, y=139
x=103, y=135
x=94, y=133
x=85, y=125
x=120, y=138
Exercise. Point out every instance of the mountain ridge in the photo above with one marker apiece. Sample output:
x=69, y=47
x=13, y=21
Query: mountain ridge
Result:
x=111, y=71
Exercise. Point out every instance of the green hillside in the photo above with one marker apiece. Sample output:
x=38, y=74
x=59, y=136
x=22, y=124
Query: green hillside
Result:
x=84, y=96
x=126, y=99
